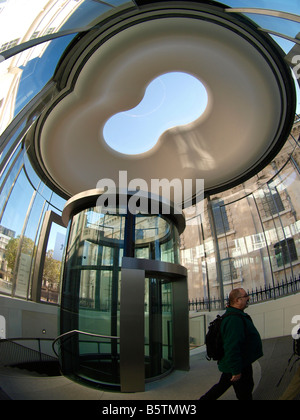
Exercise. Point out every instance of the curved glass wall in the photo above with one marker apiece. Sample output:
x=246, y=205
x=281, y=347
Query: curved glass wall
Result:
x=91, y=290
x=32, y=41
x=24, y=202
x=248, y=237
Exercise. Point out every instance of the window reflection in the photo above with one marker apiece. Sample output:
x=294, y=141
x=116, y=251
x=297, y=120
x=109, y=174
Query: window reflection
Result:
x=22, y=210
x=53, y=263
x=256, y=243
x=291, y=6
x=25, y=74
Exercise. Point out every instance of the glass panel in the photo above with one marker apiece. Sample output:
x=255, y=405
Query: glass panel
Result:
x=90, y=297
x=197, y=329
x=286, y=249
x=9, y=180
x=246, y=248
x=117, y=2
x=21, y=21
x=260, y=251
x=6, y=236
x=158, y=327
x=91, y=289
x=24, y=75
x=52, y=265
x=14, y=217
x=17, y=206
x=22, y=209
x=10, y=144
x=57, y=202
x=156, y=238
x=282, y=26
x=83, y=14
x=291, y=6
x=198, y=255
x=167, y=323
x=28, y=245
x=284, y=44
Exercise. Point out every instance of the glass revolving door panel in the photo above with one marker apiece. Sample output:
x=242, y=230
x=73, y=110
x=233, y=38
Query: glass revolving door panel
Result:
x=90, y=298
x=158, y=327
x=120, y=280
x=99, y=314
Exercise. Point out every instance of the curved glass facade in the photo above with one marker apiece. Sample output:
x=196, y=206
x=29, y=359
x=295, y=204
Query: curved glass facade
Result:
x=25, y=200
x=247, y=236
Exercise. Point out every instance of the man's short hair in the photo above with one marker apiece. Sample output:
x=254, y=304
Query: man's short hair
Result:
x=234, y=294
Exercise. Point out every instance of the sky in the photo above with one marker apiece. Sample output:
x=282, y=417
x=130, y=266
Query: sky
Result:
x=172, y=99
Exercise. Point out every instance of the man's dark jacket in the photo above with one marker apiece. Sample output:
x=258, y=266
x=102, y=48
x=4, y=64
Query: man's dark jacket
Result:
x=241, y=340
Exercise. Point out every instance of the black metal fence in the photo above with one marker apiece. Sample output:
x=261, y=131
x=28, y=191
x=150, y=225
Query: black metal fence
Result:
x=257, y=295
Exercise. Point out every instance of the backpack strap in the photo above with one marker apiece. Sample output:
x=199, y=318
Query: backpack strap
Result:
x=243, y=317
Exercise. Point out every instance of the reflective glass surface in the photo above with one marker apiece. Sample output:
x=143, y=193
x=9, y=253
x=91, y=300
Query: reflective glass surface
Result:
x=158, y=327
x=276, y=24
x=90, y=298
x=248, y=236
x=290, y=6
x=25, y=74
x=156, y=239
x=36, y=18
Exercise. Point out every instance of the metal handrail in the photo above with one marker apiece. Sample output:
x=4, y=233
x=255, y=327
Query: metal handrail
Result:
x=80, y=332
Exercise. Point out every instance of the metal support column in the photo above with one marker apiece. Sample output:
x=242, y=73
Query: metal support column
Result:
x=132, y=359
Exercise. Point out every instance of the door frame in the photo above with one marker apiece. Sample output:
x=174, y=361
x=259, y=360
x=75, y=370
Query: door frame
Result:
x=132, y=313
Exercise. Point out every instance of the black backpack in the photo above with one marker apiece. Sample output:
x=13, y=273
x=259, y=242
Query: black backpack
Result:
x=213, y=338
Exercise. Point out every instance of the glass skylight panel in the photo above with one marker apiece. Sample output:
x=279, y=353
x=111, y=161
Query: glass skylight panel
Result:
x=22, y=21
x=290, y=6
x=28, y=71
x=276, y=24
x=84, y=14
x=116, y=2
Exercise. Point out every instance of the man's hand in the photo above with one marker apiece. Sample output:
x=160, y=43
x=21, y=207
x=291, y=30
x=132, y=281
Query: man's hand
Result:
x=236, y=378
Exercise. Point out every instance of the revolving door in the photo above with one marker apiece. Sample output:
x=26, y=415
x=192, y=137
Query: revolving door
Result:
x=124, y=304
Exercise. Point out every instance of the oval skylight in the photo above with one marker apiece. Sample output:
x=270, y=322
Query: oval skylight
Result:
x=171, y=100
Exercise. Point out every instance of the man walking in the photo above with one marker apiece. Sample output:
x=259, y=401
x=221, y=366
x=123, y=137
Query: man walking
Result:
x=242, y=346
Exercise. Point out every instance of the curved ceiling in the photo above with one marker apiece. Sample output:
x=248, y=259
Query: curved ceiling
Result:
x=248, y=116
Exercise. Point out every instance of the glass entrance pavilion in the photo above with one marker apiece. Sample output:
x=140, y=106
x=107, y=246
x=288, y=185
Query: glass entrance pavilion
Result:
x=124, y=315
